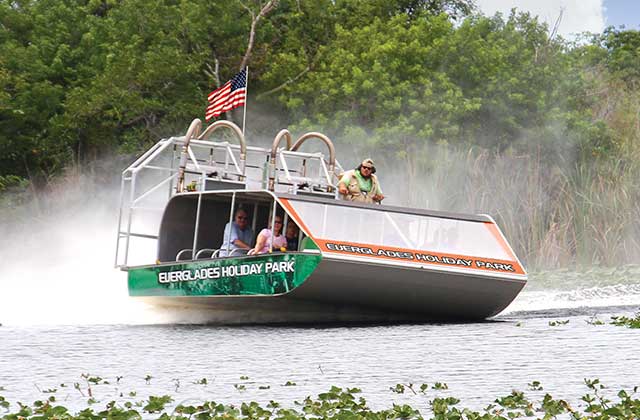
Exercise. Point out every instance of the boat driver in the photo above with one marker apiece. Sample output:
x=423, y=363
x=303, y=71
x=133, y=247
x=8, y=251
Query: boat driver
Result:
x=360, y=184
x=238, y=236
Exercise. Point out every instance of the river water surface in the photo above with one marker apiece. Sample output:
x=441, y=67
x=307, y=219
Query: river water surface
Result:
x=478, y=361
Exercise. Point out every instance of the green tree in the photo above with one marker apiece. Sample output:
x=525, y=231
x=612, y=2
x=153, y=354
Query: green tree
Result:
x=40, y=59
x=305, y=28
x=623, y=54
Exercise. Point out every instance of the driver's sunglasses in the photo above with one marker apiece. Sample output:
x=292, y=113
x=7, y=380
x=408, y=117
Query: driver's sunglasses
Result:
x=368, y=167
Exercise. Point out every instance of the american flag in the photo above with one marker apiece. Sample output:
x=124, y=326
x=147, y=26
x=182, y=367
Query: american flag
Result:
x=228, y=96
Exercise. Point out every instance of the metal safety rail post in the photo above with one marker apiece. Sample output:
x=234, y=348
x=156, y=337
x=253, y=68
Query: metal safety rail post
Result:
x=132, y=194
x=328, y=170
x=128, y=204
x=228, y=166
x=322, y=180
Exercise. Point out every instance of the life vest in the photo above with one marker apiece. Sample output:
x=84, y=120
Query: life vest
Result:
x=355, y=194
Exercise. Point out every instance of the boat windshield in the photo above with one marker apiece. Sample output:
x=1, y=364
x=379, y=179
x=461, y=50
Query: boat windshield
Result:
x=373, y=226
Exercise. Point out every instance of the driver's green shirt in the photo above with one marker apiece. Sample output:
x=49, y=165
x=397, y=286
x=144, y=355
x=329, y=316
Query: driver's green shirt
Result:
x=365, y=184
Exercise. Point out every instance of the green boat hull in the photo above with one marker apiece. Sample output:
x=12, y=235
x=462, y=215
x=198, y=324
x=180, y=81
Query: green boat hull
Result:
x=263, y=275
x=309, y=288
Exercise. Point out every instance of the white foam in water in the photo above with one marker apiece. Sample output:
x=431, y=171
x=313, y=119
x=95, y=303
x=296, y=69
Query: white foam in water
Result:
x=601, y=296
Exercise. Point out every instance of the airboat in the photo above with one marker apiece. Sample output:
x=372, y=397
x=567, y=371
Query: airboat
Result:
x=353, y=262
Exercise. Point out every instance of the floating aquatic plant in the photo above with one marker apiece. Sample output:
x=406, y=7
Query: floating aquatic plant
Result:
x=558, y=323
x=440, y=386
x=535, y=386
x=343, y=404
x=398, y=389
x=623, y=321
x=92, y=379
x=157, y=404
x=594, y=321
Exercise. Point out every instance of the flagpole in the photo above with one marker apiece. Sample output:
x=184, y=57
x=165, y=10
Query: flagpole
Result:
x=246, y=96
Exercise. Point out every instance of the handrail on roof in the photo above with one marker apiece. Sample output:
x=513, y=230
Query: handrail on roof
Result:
x=284, y=133
x=193, y=131
x=195, y=140
x=327, y=141
x=238, y=132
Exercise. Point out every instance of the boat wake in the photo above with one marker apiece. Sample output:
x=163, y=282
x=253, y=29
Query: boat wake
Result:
x=621, y=292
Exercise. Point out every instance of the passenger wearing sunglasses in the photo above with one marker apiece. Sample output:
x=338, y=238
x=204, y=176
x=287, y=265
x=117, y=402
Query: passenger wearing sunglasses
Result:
x=268, y=240
x=238, y=235
x=360, y=184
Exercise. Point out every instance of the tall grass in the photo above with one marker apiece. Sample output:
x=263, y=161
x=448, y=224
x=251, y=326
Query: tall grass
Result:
x=555, y=214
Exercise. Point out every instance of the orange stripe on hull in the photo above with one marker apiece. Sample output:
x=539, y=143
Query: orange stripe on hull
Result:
x=420, y=257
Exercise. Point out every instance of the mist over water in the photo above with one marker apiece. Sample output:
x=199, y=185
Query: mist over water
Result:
x=59, y=270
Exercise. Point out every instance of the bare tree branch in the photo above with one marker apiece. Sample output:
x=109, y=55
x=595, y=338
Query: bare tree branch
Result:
x=285, y=84
x=266, y=9
x=556, y=25
x=214, y=72
x=552, y=35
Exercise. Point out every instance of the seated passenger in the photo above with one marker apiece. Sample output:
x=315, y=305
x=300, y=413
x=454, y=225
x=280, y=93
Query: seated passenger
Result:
x=238, y=236
x=279, y=242
x=292, y=236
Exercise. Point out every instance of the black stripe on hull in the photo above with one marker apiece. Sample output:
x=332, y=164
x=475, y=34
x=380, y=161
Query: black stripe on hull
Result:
x=409, y=290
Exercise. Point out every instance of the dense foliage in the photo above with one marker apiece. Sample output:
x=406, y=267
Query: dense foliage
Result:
x=492, y=114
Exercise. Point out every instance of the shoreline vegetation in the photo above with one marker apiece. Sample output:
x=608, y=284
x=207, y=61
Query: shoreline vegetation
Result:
x=461, y=112
x=337, y=403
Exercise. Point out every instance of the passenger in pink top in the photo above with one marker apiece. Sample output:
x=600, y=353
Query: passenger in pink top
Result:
x=262, y=242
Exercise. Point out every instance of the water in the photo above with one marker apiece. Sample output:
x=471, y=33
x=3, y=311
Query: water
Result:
x=66, y=313
x=479, y=361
